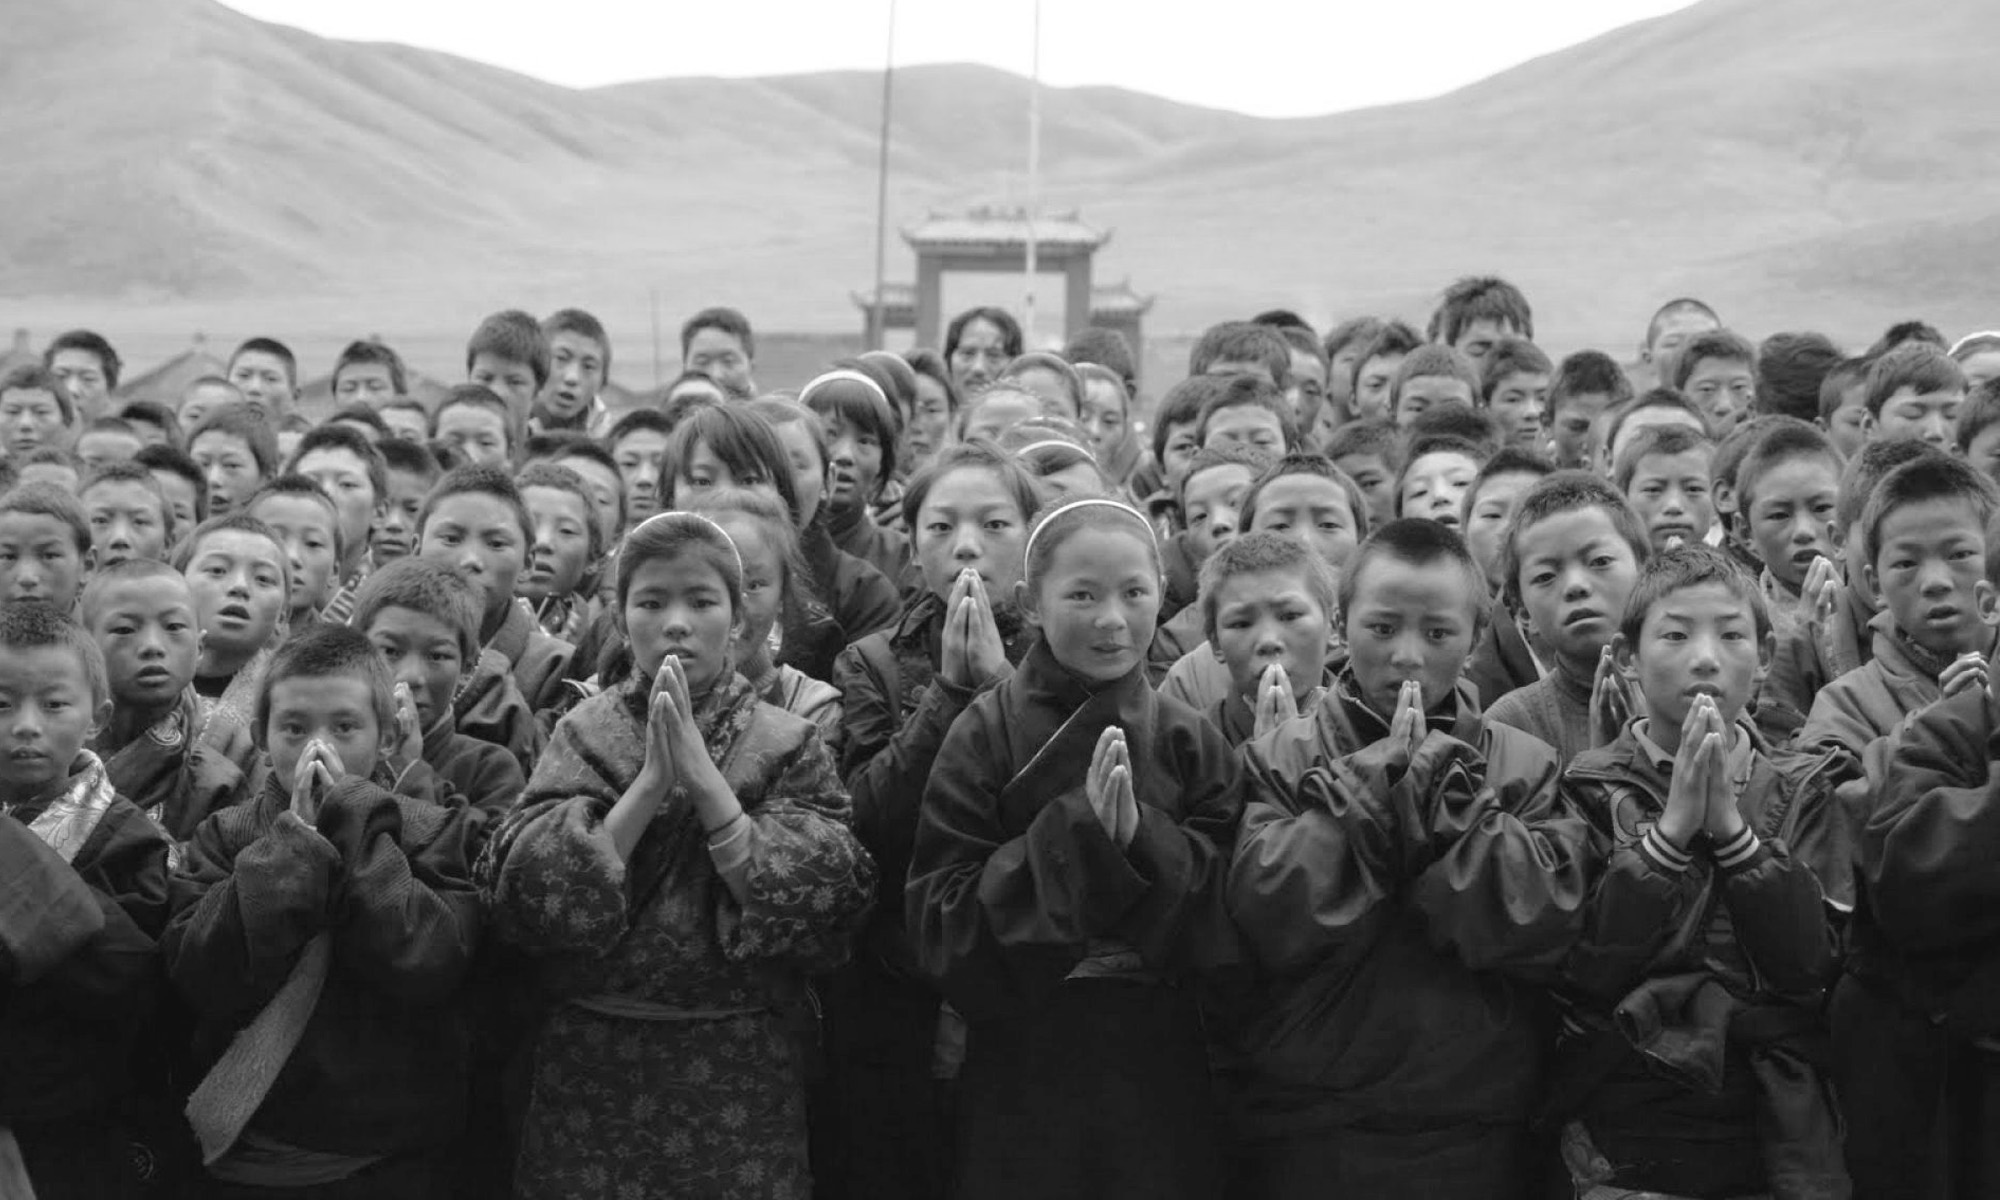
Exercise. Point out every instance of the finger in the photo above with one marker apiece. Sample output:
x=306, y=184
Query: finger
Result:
x=961, y=587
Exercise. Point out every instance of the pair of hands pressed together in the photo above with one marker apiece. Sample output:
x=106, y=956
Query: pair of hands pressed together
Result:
x=1700, y=796
x=1108, y=787
x=973, y=654
x=319, y=768
x=676, y=756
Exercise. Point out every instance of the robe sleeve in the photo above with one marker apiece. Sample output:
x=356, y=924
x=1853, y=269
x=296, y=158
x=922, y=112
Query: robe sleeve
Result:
x=1182, y=920
x=1928, y=849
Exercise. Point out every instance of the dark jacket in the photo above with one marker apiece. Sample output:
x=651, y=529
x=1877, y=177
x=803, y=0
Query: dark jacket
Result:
x=1500, y=662
x=851, y=600
x=1182, y=569
x=856, y=532
x=179, y=773
x=486, y=776
x=1554, y=708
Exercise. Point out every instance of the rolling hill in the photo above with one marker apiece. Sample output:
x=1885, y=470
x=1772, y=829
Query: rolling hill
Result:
x=1800, y=162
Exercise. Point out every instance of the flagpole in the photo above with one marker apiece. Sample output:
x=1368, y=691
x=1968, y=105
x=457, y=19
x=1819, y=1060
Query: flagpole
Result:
x=1034, y=179
x=878, y=324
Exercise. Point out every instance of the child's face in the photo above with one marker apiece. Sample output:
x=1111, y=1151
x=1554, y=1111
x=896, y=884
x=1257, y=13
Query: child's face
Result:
x=424, y=652
x=1426, y=392
x=237, y=579
x=336, y=709
x=680, y=606
x=60, y=475
x=1671, y=494
x=306, y=527
x=1098, y=601
x=1181, y=449
x=481, y=536
x=997, y=414
x=1211, y=504
x=39, y=560
x=969, y=521
x=29, y=420
x=1077, y=479
x=230, y=467
x=1435, y=485
x=1649, y=418
x=576, y=374
x=763, y=585
x=1791, y=514
x=1104, y=416
x=1308, y=389
x=1376, y=482
x=342, y=475
x=407, y=423
x=929, y=426
x=102, y=447
x=1570, y=436
x=367, y=383
x=1487, y=512
x=126, y=522
x=705, y=472
x=720, y=355
x=1577, y=571
x=180, y=495
x=149, y=431
x=1411, y=622
x=639, y=456
x=1930, y=571
x=809, y=473
x=1723, y=389
x=263, y=379
x=1271, y=617
x=479, y=435
x=561, y=551
x=1477, y=339
x=150, y=637
x=1694, y=641
x=1517, y=407
x=1048, y=387
x=507, y=378
x=46, y=717
x=1929, y=417
x=203, y=399
x=1312, y=509
x=603, y=486
x=1847, y=426
x=1372, y=384
x=395, y=534
x=856, y=456
x=1249, y=425
x=1984, y=452
x=82, y=373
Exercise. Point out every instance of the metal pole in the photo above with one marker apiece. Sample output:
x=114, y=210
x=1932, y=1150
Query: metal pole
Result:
x=1034, y=179
x=878, y=318
x=655, y=300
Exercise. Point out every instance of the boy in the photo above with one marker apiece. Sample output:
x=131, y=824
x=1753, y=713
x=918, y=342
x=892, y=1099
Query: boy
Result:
x=1176, y=424
x=142, y=615
x=83, y=895
x=44, y=546
x=1369, y=452
x=155, y=424
x=181, y=482
x=1478, y=312
x=50, y=465
x=1307, y=390
x=424, y=619
x=1376, y=366
x=240, y=575
x=1787, y=497
x=1717, y=371
x=1242, y=348
x=237, y=450
x=1672, y=325
x=1791, y=371
x=1568, y=564
x=34, y=412
x=345, y=916
x=406, y=418
x=718, y=343
x=638, y=444
x=509, y=357
x=1843, y=405
x=1206, y=510
x=477, y=425
x=1489, y=504
x=1977, y=433
x=1431, y=377
x=556, y=586
x=1267, y=608
x=1250, y=411
x=370, y=374
x=128, y=514
x=308, y=526
x=204, y=396
x=267, y=373
x=1375, y=920
x=362, y=420
x=87, y=367
x=1436, y=477
x=1661, y=406
x=1342, y=349
x=1514, y=388
x=350, y=469
x=602, y=482
x=408, y=472
x=579, y=367
x=1914, y=391
x=1665, y=475
x=1692, y=1008
x=105, y=441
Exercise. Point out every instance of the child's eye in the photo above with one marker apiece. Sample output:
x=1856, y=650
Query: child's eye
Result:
x=1601, y=562
x=1438, y=635
x=938, y=528
x=1382, y=629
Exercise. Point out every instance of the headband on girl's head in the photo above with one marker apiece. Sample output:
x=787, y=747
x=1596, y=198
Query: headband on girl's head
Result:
x=683, y=517
x=1984, y=335
x=849, y=375
x=1028, y=551
x=1033, y=446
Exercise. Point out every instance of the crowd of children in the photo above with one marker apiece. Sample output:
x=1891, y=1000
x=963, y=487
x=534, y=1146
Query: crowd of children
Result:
x=1415, y=767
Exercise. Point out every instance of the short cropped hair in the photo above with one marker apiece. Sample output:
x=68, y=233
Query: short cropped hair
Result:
x=1511, y=356
x=1674, y=308
x=1659, y=397
x=1840, y=378
x=648, y=420
x=1437, y=443
x=728, y=320
x=1657, y=441
x=175, y=461
x=478, y=480
x=1904, y=333
x=1257, y=461
x=132, y=569
x=91, y=343
x=1419, y=543
x=361, y=414
x=1919, y=366
x=1932, y=477
x=1558, y=493
x=411, y=458
x=147, y=412
x=37, y=625
x=341, y=437
x=1440, y=360
x=554, y=475
x=1256, y=553
x=293, y=484
x=1393, y=338
x=248, y=424
x=370, y=353
x=1790, y=368
x=1107, y=348
x=1683, y=567
x=1480, y=298
x=594, y=451
x=1373, y=437
x=1318, y=466
x=1712, y=344
x=999, y=318
x=583, y=325
x=1182, y=405
x=1869, y=466
x=1349, y=332
x=473, y=395
x=514, y=336
x=327, y=651
x=1980, y=410
x=48, y=500
x=428, y=587
x=1242, y=341
x=1458, y=420
x=1249, y=391
x=1054, y=364
x=239, y=521
x=1589, y=373
x=1787, y=440
x=31, y=377
x=1508, y=460
x=135, y=472
x=276, y=349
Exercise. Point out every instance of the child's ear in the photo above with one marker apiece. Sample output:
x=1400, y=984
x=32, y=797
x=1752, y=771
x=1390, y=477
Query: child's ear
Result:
x=100, y=720
x=1622, y=658
x=1024, y=599
x=1767, y=652
x=1875, y=585
x=1987, y=598
x=1723, y=493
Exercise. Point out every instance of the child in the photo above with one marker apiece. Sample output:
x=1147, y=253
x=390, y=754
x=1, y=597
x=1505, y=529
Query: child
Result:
x=408, y=473
x=181, y=480
x=1978, y=357
x=1267, y=608
x=579, y=367
x=351, y=471
x=1249, y=411
x=1717, y=370
x=1431, y=376
x=1177, y=427
x=1066, y=919
x=154, y=424
x=861, y=436
x=1731, y=530
x=1978, y=430
x=1060, y=465
x=1661, y=406
x=1586, y=385
x=1307, y=390
x=1668, y=333
x=1376, y=367
x=407, y=418
x=1476, y=314
x=1436, y=477
x=605, y=485
x=1489, y=505
x=34, y=412
x=928, y=428
x=207, y=394
x=337, y=919
x=1514, y=387
x=240, y=574
x=1369, y=452
x=1343, y=347
x=85, y=897
x=509, y=356
x=128, y=514
x=1843, y=405
x=363, y=420
x=1791, y=373
x=1914, y=391
x=1206, y=509
x=638, y=444
x=1665, y=474
x=1379, y=832
x=237, y=451
x=105, y=441
x=266, y=372
x=423, y=617
x=308, y=527
x=1568, y=563
x=51, y=465
x=999, y=408
x=679, y=862
x=87, y=367
x=1686, y=1054
x=477, y=424
x=142, y=615
x=1242, y=348
x=563, y=553
x=1787, y=495
x=718, y=342
x=1050, y=379
x=370, y=374
x=44, y=546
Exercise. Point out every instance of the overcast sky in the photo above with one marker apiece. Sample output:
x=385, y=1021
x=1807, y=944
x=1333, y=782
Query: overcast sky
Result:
x=1268, y=57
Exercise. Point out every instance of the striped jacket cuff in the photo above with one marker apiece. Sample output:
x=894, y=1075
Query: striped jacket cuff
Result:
x=1662, y=853
x=1737, y=853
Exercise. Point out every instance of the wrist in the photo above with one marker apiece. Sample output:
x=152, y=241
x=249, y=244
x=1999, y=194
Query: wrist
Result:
x=1676, y=828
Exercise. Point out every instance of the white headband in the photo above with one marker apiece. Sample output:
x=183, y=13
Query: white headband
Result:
x=1028, y=551
x=679, y=516
x=850, y=376
x=1991, y=335
x=1033, y=446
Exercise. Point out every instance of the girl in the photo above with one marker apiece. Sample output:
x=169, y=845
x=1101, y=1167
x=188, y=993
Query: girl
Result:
x=678, y=862
x=1063, y=915
x=735, y=446
x=1107, y=418
x=861, y=434
x=995, y=411
x=1049, y=378
x=773, y=576
x=928, y=428
x=1064, y=469
x=881, y=1117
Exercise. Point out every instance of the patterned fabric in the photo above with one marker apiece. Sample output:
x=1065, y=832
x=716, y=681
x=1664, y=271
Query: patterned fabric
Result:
x=238, y=701
x=69, y=820
x=340, y=609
